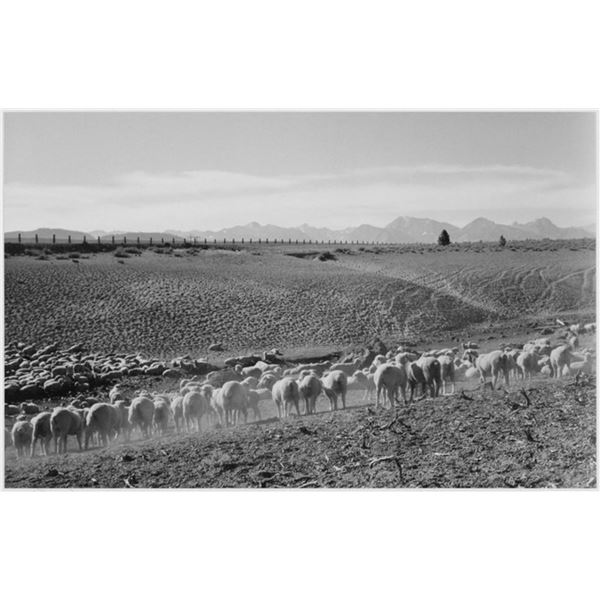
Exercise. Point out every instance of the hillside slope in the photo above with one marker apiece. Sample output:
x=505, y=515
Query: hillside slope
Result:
x=168, y=304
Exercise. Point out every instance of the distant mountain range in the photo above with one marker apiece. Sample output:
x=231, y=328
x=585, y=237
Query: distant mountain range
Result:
x=400, y=230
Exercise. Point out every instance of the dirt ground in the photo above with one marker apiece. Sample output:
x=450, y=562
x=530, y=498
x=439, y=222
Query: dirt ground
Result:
x=470, y=439
x=167, y=305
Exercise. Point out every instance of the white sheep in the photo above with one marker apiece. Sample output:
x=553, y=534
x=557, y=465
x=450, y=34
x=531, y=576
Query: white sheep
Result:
x=231, y=402
x=21, y=435
x=194, y=407
x=41, y=431
x=310, y=388
x=141, y=411
x=66, y=421
x=285, y=395
x=177, y=410
x=335, y=383
x=162, y=414
x=103, y=419
x=390, y=379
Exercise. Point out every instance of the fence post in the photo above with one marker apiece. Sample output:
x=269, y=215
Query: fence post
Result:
x=19, y=237
x=258, y=239
x=69, y=240
x=267, y=241
x=138, y=242
x=205, y=240
x=162, y=241
x=124, y=240
x=224, y=240
x=184, y=242
x=173, y=241
x=250, y=241
x=54, y=238
x=242, y=240
x=150, y=242
x=112, y=240
x=233, y=241
x=36, y=238
x=84, y=240
x=98, y=240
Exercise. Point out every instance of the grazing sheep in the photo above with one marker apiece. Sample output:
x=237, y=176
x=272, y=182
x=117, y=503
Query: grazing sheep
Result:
x=310, y=388
x=250, y=383
x=29, y=408
x=463, y=370
x=162, y=413
x=589, y=327
x=528, y=363
x=194, y=407
x=335, y=383
x=492, y=364
x=511, y=360
x=10, y=410
x=447, y=371
x=403, y=358
x=390, y=379
x=362, y=381
x=116, y=393
x=254, y=372
x=583, y=366
x=285, y=394
x=470, y=356
x=102, y=419
x=41, y=431
x=123, y=414
x=425, y=372
x=561, y=357
x=177, y=410
x=66, y=421
x=267, y=381
x=379, y=360
x=254, y=397
x=141, y=411
x=576, y=328
x=21, y=435
x=232, y=401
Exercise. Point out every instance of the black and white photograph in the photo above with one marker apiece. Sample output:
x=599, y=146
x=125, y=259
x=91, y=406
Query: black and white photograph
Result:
x=300, y=299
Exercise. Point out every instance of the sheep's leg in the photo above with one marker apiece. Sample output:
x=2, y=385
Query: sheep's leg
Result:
x=32, y=449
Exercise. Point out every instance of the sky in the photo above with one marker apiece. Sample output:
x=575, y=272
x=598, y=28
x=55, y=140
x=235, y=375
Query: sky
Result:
x=149, y=171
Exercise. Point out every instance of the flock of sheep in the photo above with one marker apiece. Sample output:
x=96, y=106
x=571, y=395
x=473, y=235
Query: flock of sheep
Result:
x=388, y=377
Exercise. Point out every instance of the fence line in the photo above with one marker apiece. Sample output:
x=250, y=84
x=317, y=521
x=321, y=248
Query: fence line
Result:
x=183, y=242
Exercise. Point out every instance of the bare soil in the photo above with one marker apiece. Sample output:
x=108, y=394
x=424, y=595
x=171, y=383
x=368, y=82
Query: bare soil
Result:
x=165, y=305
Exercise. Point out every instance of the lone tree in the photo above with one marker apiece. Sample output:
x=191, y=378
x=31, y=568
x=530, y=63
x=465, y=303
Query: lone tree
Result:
x=502, y=241
x=444, y=238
